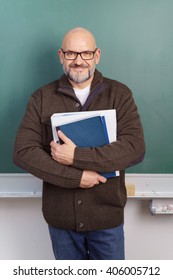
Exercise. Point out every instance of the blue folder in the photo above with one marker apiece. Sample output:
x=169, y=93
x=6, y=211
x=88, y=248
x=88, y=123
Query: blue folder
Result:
x=89, y=132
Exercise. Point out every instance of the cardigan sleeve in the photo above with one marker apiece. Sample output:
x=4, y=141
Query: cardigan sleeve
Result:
x=129, y=149
x=32, y=146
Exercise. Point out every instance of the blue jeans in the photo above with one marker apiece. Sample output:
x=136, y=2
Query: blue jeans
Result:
x=89, y=245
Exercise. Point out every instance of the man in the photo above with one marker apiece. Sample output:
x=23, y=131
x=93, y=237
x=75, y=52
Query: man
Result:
x=84, y=210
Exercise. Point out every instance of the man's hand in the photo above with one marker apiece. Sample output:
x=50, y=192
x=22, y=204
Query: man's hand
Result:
x=64, y=153
x=90, y=179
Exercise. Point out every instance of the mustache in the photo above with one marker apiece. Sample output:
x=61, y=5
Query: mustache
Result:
x=74, y=65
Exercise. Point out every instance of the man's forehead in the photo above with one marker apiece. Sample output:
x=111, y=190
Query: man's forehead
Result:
x=79, y=38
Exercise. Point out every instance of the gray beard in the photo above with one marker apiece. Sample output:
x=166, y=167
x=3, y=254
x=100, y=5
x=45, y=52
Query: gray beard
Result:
x=77, y=78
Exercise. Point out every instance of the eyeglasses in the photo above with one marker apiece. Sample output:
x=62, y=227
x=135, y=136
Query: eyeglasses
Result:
x=85, y=55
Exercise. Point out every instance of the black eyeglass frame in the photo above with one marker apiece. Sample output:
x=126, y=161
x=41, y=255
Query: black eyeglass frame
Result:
x=79, y=53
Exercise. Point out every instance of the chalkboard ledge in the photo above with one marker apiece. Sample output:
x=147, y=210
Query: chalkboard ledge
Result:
x=139, y=186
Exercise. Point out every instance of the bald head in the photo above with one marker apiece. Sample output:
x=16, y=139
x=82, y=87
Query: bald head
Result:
x=79, y=39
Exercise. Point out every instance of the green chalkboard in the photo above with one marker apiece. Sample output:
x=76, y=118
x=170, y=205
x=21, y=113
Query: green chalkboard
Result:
x=136, y=40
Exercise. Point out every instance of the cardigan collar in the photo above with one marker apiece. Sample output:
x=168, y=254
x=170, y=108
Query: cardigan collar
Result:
x=97, y=87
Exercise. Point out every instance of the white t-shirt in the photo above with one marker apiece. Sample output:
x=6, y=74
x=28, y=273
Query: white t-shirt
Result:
x=82, y=94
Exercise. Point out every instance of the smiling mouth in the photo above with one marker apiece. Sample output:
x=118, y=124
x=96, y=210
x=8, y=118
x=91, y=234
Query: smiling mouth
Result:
x=79, y=68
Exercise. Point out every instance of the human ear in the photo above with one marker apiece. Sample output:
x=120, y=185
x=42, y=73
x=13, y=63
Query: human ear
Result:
x=97, y=56
x=61, y=56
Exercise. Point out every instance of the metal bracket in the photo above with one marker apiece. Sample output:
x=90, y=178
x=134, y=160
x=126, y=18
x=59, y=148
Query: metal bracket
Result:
x=161, y=206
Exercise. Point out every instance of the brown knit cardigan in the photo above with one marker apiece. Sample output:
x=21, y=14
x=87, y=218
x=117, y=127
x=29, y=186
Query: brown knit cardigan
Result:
x=65, y=204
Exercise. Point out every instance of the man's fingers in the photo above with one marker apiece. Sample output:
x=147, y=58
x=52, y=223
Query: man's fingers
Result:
x=102, y=179
x=63, y=137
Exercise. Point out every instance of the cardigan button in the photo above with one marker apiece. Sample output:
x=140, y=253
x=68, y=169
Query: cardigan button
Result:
x=77, y=105
x=79, y=202
x=80, y=225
